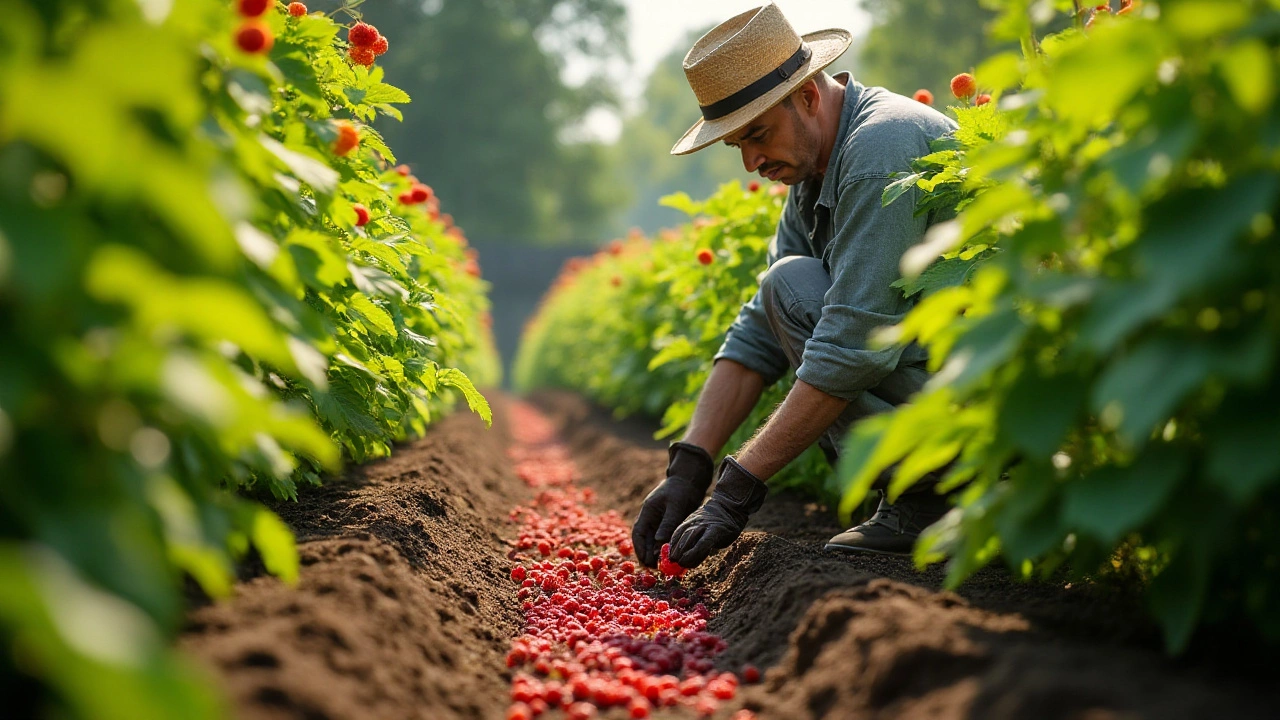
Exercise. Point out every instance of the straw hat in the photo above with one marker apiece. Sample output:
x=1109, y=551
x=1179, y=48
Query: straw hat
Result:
x=748, y=64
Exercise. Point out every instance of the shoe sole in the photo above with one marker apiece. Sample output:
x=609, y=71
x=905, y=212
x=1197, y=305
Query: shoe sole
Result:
x=868, y=551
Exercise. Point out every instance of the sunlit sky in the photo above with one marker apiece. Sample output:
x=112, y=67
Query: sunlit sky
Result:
x=655, y=26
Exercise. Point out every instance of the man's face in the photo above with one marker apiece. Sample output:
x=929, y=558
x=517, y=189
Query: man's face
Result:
x=782, y=144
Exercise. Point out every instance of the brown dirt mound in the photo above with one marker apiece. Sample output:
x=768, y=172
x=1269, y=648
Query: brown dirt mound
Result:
x=403, y=609
x=870, y=637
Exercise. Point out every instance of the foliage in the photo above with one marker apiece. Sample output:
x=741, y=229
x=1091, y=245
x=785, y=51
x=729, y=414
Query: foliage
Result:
x=1108, y=376
x=498, y=144
x=953, y=30
x=186, y=307
x=635, y=327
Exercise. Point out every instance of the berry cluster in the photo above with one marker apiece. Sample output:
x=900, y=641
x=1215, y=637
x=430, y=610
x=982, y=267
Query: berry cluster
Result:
x=367, y=44
x=600, y=632
x=253, y=36
x=964, y=87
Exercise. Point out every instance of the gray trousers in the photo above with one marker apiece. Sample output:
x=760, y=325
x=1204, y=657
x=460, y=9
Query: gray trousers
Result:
x=793, y=292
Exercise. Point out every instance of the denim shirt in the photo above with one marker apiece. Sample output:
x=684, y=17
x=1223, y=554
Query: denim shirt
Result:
x=839, y=220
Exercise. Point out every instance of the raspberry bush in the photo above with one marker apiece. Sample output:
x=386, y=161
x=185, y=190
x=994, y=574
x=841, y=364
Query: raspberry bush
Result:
x=1106, y=315
x=635, y=326
x=197, y=294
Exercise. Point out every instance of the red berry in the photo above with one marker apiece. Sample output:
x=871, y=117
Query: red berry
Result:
x=519, y=711
x=421, y=193
x=254, y=37
x=362, y=35
x=361, y=55
x=705, y=256
x=923, y=96
x=348, y=138
x=297, y=9
x=638, y=709
x=751, y=674
x=518, y=573
x=753, y=186
x=666, y=567
x=380, y=46
x=403, y=170
x=253, y=8
x=362, y=215
x=405, y=198
x=963, y=86
x=982, y=99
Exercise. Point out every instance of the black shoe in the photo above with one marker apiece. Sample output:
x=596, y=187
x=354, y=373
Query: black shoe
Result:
x=893, y=529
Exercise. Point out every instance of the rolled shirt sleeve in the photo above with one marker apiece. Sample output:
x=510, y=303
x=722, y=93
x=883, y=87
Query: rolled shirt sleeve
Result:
x=749, y=340
x=863, y=258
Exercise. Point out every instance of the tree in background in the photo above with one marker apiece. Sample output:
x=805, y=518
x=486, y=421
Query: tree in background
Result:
x=492, y=109
x=923, y=43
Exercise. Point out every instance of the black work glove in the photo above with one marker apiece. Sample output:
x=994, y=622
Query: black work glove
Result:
x=689, y=472
x=720, y=521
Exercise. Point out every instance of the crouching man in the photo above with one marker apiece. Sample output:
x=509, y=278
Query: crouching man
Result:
x=836, y=143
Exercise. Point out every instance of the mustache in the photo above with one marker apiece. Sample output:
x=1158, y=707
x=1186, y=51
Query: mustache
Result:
x=766, y=169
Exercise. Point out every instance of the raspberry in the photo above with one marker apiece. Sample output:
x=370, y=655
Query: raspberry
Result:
x=518, y=573
x=362, y=215
x=963, y=86
x=252, y=8
x=405, y=198
x=923, y=96
x=982, y=99
x=348, y=138
x=362, y=35
x=380, y=45
x=753, y=187
x=519, y=711
x=403, y=170
x=361, y=55
x=751, y=674
x=421, y=193
x=665, y=566
x=705, y=256
x=297, y=9
x=254, y=37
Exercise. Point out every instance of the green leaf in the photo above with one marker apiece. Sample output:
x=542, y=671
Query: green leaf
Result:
x=678, y=349
x=1038, y=411
x=455, y=378
x=384, y=93
x=315, y=173
x=1177, y=594
x=274, y=543
x=1113, y=501
x=375, y=318
x=1241, y=446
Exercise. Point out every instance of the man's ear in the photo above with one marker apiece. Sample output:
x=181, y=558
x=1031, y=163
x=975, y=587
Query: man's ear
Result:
x=808, y=98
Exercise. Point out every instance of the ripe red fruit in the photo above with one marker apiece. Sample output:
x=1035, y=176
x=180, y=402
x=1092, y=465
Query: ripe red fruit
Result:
x=638, y=709
x=297, y=9
x=380, y=45
x=348, y=138
x=421, y=193
x=362, y=34
x=254, y=37
x=751, y=674
x=361, y=55
x=924, y=96
x=753, y=186
x=519, y=711
x=362, y=215
x=705, y=256
x=665, y=566
x=982, y=99
x=252, y=8
x=405, y=198
x=963, y=86
x=403, y=170
x=518, y=573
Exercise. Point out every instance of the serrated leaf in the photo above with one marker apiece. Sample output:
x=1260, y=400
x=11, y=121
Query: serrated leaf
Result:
x=375, y=318
x=452, y=377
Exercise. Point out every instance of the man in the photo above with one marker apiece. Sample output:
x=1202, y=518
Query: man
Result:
x=762, y=91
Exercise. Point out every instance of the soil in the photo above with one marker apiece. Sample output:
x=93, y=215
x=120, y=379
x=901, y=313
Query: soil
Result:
x=404, y=609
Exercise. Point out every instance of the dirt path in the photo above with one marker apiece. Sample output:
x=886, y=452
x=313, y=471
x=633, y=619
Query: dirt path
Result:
x=406, y=608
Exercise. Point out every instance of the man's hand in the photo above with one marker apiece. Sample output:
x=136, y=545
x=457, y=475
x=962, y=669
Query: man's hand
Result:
x=689, y=472
x=720, y=521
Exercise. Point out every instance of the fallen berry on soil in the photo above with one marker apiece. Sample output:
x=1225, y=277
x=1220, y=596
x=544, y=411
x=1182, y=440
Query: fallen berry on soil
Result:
x=362, y=215
x=254, y=37
x=963, y=86
x=666, y=567
x=348, y=138
x=362, y=35
x=297, y=9
x=923, y=96
x=252, y=8
x=751, y=674
x=705, y=256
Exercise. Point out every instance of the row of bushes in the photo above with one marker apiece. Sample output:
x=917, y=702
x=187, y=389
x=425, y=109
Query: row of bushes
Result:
x=212, y=278
x=1104, y=320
